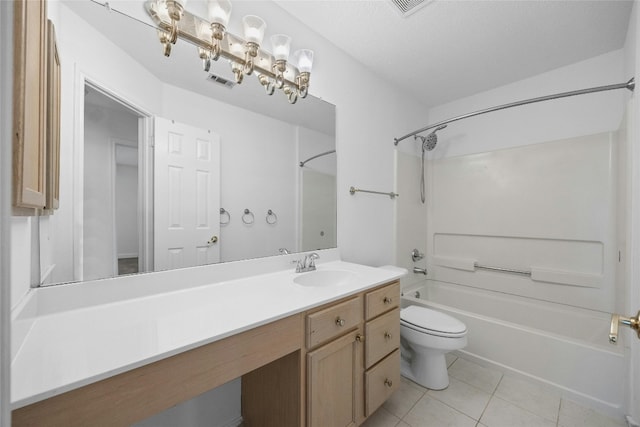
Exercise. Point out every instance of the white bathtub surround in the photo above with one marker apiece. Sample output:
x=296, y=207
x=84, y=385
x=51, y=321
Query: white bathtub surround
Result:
x=96, y=330
x=481, y=396
x=561, y=346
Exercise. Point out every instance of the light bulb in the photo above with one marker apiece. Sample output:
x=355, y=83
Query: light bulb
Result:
x=254, y=28
x=281, y=44
x=219, y=11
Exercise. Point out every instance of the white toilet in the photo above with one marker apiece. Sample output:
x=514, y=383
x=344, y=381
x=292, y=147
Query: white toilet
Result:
x=426, y=335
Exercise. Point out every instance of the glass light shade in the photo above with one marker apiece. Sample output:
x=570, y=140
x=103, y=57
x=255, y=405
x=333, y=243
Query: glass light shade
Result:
x=254, y=28
x=219, y=11
x=281, y=44
x=305, y=60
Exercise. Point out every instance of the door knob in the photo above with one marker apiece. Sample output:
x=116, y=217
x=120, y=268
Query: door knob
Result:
x=616, y=320
x=212, y=240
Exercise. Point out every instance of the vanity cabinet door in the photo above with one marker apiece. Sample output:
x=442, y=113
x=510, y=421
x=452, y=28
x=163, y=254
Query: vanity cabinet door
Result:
x=335, y=377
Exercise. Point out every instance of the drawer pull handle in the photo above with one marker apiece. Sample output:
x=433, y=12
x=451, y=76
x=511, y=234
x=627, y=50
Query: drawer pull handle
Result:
x=388, y=382
x=339, y=321
x=387, y=335
x=359, y=338
x=387, y=300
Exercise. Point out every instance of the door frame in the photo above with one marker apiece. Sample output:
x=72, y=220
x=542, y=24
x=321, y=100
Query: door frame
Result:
x=145, y=170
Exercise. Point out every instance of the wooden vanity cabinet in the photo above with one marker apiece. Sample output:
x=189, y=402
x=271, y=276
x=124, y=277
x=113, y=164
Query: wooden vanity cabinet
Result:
x=382, y=354
x=329, y=367
x=353, y=357
x=335, y=382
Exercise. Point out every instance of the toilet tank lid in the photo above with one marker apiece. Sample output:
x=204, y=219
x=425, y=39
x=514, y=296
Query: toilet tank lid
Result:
x=433, y=320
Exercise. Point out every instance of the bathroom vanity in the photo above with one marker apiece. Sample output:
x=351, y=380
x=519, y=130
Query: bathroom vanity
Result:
x=309, y=353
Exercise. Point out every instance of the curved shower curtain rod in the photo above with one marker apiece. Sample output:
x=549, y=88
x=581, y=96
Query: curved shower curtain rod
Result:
x=630, y=85
x=316, y=156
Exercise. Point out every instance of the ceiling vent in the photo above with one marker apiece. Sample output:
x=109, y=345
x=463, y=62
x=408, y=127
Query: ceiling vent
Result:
x=408, y=7
x=221, y=81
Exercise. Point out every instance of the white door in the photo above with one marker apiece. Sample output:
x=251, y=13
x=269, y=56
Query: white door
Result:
x=186, y=196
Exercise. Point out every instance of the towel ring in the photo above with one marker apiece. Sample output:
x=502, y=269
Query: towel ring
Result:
x=222, y=213
x=248, y=217
x=271, y=217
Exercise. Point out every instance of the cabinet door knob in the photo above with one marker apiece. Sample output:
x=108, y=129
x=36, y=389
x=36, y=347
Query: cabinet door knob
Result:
x=388, y=335
x=388, y=382
x=359, y=338
x=387, y=300
x=339, y=321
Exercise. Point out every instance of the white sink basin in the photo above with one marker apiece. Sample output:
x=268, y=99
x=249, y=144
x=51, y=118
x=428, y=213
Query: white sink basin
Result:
x=321, y=278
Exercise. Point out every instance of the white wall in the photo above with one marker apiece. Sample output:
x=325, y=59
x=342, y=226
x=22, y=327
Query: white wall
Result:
x=127, y=211
x=545, y=121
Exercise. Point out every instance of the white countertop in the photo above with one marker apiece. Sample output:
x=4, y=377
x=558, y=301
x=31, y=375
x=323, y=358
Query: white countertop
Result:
x=68, y=349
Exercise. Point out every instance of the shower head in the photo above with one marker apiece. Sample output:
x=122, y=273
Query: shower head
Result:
x=429, y=142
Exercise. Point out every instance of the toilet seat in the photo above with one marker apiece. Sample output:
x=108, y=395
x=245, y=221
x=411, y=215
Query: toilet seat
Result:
x=431, y=322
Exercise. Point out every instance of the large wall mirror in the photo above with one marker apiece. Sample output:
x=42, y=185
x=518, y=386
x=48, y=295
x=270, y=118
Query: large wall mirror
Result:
x=168, y=166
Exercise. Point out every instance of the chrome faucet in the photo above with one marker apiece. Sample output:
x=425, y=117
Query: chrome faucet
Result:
x=308, y=263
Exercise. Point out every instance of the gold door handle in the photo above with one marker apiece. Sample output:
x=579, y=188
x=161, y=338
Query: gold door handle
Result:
x=616, y=320
x=387, y=335
x=387, y=300
x=212, y=240
x=340, y=322
x=359, y=338
x=388, y=382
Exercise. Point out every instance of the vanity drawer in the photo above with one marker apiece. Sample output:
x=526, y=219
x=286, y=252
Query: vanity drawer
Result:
x=381, y=381
x=333, y=321
x=383, y=299
x=382, y=336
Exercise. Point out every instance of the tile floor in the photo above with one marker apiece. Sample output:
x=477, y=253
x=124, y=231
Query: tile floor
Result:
x=482, y=397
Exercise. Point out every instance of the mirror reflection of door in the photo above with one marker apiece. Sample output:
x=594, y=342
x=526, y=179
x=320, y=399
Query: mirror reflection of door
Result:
x=111, y=192
x=186, y=196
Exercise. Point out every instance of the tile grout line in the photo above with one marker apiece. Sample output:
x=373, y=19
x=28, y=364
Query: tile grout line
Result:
x=493, y=394
x=424, y=393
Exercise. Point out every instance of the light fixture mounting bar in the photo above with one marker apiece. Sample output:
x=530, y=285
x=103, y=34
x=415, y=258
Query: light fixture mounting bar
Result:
x=187, y=30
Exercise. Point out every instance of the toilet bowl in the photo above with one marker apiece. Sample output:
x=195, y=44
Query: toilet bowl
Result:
x=426, y=335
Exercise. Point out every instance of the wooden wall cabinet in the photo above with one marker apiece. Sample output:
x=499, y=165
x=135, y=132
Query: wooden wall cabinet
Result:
x=54, y=96
x=36, y=111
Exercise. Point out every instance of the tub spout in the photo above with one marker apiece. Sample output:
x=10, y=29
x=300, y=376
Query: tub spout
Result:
x=419, y=270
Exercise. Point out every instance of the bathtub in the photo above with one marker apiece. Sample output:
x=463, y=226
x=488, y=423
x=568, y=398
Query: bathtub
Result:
x=562, y=346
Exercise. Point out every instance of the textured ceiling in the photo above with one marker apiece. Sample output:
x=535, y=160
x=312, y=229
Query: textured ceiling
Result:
x=451, y=49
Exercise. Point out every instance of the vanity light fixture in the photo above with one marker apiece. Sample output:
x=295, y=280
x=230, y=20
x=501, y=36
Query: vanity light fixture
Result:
x=245, y=54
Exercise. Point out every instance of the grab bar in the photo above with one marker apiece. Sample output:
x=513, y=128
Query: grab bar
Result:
x=502, y=270
x=354, y=190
